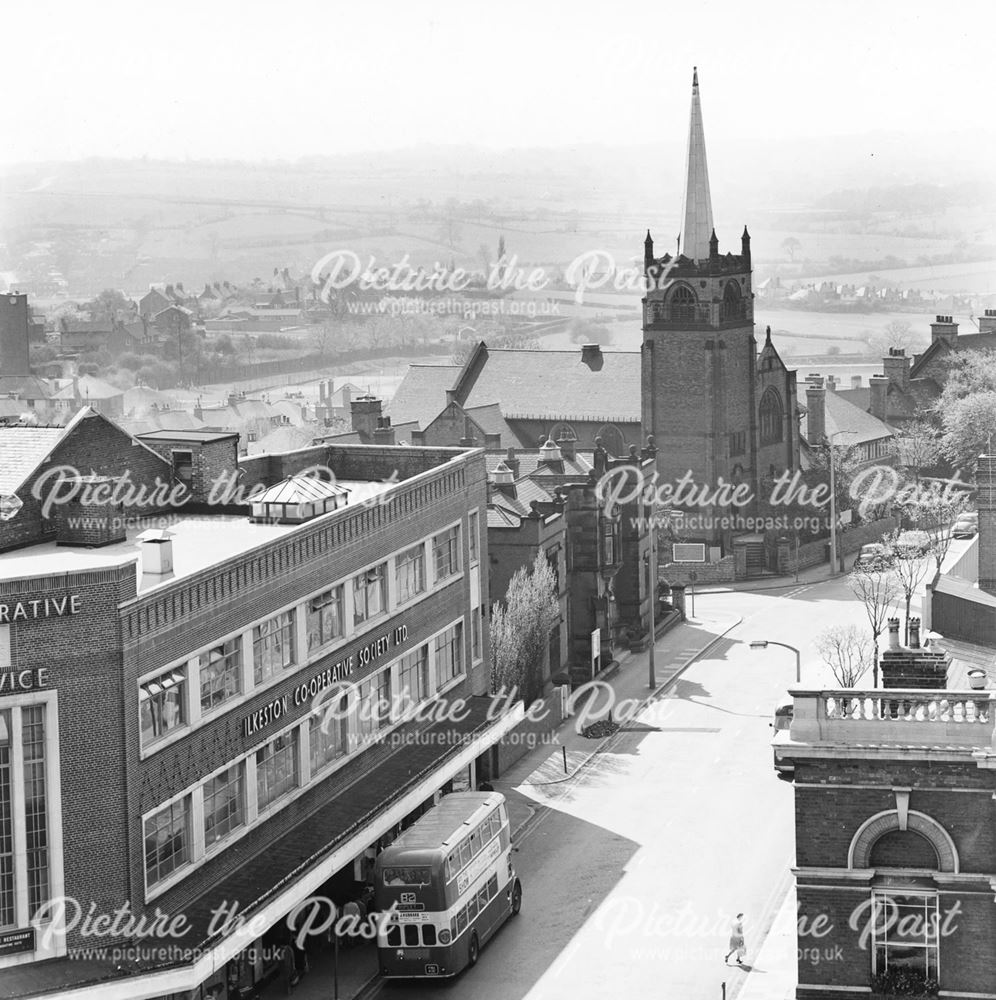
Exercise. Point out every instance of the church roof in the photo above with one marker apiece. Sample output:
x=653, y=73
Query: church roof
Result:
x=697, y=224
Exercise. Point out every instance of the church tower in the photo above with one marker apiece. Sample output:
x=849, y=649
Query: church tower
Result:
x=699, y=354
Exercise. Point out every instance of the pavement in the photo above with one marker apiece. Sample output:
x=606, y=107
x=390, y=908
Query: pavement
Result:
x=773, y=974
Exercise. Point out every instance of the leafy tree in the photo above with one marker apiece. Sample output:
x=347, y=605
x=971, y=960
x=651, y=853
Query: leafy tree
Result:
x=877, y=588
x=520, y=630
x=846, y=651
x=916, y=446
x=791, y=246
x=967, y=407
x=109, y=305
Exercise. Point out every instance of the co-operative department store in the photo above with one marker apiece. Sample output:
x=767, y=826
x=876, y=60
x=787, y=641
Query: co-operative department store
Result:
x=159, y=748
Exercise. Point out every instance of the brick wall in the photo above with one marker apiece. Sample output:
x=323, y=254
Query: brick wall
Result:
x=82, y=653
x=93, y=445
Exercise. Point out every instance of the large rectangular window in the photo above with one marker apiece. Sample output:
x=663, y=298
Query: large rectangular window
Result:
x=904, y=931
x=325, y=618
x=474, y=540
x=413, y=676
x=35, y=807
x=327, y=734
x=221, y=674
x=273, y=646
x=373, y=710
x=167, y=841
x=7, y=899
x=224, y=804
x=446, y=553
x=163, y=704
x=370, y=594
x=449, y=654
x=410, y=573
x=276, y=769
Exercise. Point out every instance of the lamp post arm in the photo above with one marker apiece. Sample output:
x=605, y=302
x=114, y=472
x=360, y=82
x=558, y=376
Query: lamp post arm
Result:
x=798, y=657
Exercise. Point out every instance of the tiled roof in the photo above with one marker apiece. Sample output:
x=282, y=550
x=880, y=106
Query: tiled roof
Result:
x=89, y=388
x=421, y=395
x=844, y=417
x=548, y=385
x=22, y=450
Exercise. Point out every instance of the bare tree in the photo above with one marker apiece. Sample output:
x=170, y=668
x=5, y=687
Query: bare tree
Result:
x=910, y=553
x=846, y=651
x=877, y=588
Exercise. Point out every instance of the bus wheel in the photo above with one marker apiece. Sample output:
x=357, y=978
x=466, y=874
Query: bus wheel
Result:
x=474, y=951
x=516, y=897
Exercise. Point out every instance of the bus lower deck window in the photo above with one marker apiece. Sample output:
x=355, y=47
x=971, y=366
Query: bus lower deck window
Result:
x=394, y=935
x=428, y=935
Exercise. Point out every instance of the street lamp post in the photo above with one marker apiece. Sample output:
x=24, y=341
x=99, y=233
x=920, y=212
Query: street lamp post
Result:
x=764, y=643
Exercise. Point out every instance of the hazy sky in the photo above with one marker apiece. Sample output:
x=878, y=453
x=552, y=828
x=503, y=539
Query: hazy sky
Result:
x=250, y=79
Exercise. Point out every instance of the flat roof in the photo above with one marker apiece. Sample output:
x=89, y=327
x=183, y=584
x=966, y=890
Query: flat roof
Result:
x=199, y=542
x=202, y=437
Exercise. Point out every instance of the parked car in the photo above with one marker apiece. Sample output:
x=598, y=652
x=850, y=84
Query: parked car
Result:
x=874, y=555
x=965, y=527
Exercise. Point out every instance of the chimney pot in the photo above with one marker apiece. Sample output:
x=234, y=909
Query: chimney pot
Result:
x=591, y=355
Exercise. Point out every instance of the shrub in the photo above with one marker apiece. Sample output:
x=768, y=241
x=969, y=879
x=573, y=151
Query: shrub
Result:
x=902, y=982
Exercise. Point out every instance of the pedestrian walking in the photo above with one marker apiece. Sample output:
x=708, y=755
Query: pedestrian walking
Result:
x=737, y=945
x=288, y=969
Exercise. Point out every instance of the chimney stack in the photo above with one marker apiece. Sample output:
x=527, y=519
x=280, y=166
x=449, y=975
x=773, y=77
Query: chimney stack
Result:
x=987, y=322
x=511, y=462
x=15, y=329
x=365, y=413
x=855, y=381
x=943, y=328
x=914, y=633
x=985, y=503
x=383, y=432
x=896, y=368
x=566, y=445
x=893, y=633
x=878, y=385
x=831, y=383
x=816, y=417
x=502, y=478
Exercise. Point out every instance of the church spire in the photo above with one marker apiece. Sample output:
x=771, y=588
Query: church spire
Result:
x=697, y=211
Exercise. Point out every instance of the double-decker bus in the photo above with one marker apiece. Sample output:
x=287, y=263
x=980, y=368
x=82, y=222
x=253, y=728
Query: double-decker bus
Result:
x=451, y=882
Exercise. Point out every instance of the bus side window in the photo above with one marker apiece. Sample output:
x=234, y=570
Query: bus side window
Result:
x=482, y=898
x=462, y=920
x=493, y=886
x=472, y=907
x=464, y=853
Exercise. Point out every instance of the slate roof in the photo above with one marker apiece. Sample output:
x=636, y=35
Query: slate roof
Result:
x=530, y=465
x=963, y=342
x=421, y=395
x=861, y=427
x=282, y=439
x=22, y=450
x=548, y=385
x=24, y=386
x=89, y=388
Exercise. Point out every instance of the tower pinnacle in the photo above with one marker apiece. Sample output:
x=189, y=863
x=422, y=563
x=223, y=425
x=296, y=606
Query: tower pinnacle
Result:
x=696, y=214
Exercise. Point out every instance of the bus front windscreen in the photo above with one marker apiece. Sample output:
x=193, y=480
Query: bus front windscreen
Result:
x=407, y=876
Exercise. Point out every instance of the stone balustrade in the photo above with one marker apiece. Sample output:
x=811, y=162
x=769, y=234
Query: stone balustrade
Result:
x=897, y=716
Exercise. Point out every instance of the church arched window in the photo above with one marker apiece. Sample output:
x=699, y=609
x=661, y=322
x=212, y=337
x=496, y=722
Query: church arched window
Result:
x=562, y=432
x=733, y=303
x=612, y=440
x=770, y=416
x=682, y=305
